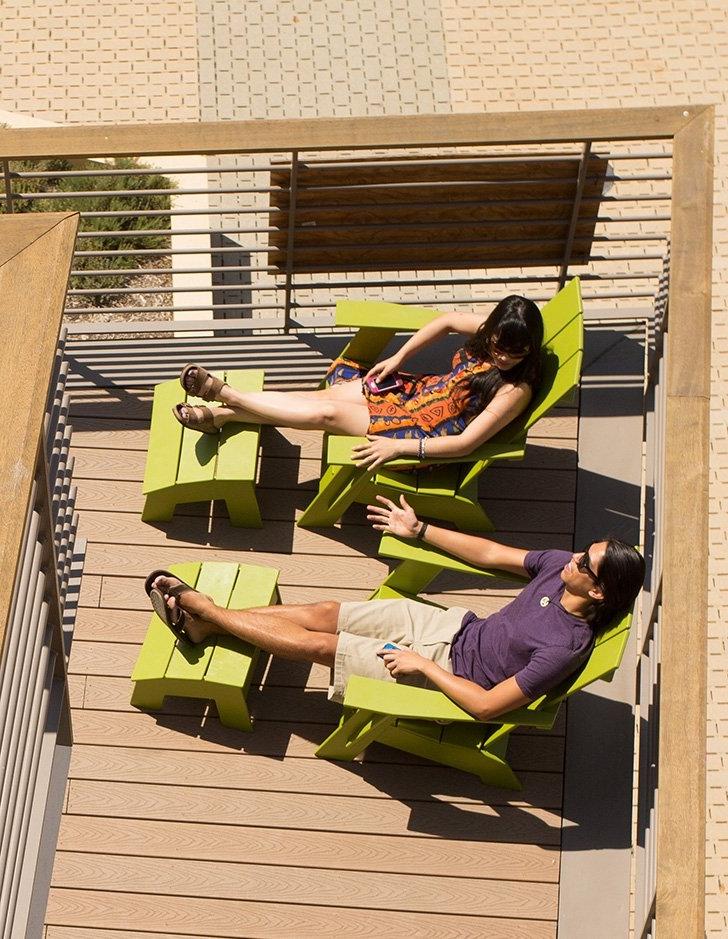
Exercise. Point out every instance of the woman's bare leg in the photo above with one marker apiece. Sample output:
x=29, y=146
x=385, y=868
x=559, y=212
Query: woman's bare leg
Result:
x=341, y=409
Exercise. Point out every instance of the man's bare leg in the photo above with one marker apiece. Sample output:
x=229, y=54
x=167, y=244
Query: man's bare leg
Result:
x=301, y=632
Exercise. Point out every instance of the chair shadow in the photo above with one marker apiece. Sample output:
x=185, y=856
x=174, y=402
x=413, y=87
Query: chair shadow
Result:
x=442, y=802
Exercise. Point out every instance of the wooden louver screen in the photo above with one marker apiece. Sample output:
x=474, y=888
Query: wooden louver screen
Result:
x=412, y=215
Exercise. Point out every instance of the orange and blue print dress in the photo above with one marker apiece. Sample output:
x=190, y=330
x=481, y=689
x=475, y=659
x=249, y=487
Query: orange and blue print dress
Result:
x=426, y=406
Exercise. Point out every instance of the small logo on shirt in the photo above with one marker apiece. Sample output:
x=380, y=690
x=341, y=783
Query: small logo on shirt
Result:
x=544, y=601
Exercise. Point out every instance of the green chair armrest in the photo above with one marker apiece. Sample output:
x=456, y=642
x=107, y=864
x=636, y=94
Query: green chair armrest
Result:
x=338, y=453
x=407, y=702
x=403, y=549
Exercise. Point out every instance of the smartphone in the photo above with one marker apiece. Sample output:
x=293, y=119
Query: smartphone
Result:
x=390, y=383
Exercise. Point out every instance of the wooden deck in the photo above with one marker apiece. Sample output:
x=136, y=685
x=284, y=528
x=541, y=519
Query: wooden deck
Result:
x=176, y=826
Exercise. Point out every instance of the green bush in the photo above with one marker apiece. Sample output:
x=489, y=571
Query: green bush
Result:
x=122, y=201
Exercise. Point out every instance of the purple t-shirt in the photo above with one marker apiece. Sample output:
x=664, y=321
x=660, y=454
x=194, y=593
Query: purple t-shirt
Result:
x=539, y=645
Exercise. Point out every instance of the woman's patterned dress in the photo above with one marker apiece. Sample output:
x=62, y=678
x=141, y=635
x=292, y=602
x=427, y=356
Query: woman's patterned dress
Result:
x=427, y=405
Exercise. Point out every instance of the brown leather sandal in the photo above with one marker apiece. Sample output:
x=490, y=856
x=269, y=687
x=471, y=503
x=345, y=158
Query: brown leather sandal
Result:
x=197, y=417
x=197, y=381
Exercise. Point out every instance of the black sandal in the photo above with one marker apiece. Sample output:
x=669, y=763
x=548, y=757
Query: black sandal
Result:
x=172, y=618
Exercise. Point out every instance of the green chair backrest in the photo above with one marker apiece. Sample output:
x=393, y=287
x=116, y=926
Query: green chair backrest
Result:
x=561, y=355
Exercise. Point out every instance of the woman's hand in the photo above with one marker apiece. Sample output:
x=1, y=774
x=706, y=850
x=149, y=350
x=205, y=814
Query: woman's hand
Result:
x=375, y=451
x=380, y=370
x=390, y=518
x=403, y=662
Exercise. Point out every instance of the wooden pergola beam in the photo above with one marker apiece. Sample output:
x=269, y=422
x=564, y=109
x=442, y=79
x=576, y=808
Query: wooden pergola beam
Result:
x=344, y=133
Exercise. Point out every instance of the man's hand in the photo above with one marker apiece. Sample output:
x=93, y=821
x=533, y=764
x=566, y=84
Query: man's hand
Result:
x=390, y=518
x=403, y=662
x=376, y=451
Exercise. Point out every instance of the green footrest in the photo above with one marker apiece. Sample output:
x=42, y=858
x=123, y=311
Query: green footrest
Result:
x=186, y=466
x=219, y=669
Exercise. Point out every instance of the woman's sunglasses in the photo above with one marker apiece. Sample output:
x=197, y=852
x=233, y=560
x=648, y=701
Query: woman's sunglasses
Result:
x=513, y=353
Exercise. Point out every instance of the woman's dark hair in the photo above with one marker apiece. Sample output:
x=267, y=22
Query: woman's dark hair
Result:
x=514, y=326
x=621, y=575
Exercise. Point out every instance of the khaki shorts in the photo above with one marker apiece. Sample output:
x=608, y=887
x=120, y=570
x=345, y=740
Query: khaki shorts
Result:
x=365, y=626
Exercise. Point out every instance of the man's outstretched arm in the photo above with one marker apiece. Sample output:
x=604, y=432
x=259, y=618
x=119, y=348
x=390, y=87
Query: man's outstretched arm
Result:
x=480, y=552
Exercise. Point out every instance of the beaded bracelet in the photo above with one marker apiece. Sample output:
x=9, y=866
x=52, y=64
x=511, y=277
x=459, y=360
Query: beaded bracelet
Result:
x=421, y=448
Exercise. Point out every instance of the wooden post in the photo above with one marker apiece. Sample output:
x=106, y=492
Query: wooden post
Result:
x=680, y=907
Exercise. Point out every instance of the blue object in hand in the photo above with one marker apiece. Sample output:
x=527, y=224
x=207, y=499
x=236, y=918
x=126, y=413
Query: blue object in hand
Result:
x=389, y=645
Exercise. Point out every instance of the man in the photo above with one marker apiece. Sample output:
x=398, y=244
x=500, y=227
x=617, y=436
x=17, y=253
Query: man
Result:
x=487, y=666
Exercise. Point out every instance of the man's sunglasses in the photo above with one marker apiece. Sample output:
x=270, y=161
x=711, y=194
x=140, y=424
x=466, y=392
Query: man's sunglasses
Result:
x=583, y=565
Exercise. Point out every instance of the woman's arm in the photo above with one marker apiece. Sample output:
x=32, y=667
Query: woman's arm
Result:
x=508, y=402
x=484, y=704
x=465, y=323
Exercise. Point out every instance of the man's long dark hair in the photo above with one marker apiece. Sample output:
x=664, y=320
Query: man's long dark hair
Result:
x=621, y=575
x=514, y=326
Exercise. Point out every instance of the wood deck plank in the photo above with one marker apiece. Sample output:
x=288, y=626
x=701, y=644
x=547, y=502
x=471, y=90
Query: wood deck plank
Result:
x=200, y=916
x=286, y=885
x=195, y=761
x=220, y=805
x=138, y=560
x=373, y=852
x=547, y=485
x=126, y=529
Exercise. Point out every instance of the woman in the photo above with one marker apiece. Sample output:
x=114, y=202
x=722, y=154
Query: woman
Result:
x=490, y=382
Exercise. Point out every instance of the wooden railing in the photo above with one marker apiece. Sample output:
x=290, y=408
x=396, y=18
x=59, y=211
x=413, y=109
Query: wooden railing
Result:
x=259, y=225
x=670, y=881
x=39, y=559
x=670, y=849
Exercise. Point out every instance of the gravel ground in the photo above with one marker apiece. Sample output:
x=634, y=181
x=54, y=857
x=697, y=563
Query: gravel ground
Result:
x=75, y=305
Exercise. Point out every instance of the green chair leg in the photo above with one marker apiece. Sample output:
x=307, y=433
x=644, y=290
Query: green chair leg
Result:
x=232, y=708
x=355, y=732
x=149, y=695
x=336, y=493
x=242, y=506
x=158, y=507
x=409, y=577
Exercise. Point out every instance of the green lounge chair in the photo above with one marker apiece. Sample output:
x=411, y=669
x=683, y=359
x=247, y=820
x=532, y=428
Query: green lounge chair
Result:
x=450, y=491
x=428, y=724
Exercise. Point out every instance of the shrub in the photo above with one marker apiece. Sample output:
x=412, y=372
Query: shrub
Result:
x=122, y=201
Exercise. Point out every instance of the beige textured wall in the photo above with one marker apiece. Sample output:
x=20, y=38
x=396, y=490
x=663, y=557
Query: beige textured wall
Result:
x=100, y=62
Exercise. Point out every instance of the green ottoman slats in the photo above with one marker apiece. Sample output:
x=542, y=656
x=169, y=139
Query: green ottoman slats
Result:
x=219, y=669
x=198, y=453
x=191, y=662
x=165, y=439
x=159, y=644
x=185, y=466
x=237, y=454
